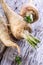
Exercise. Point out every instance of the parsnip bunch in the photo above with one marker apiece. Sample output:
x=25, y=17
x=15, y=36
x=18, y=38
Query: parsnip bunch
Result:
x=18, y=26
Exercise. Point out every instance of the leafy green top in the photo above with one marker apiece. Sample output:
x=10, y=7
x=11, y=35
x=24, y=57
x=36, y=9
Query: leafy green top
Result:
x=28, y=18
x=18, y=60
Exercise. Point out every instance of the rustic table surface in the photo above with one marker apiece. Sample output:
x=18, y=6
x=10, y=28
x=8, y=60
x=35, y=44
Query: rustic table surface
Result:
x=30, y=55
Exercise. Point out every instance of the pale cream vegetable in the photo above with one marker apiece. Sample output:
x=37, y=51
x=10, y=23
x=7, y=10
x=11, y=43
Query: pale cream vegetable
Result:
x=17, y=24
x=4, y=36
x=19, y=27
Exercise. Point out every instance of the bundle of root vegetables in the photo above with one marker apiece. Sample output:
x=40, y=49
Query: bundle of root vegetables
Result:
x=20, y=25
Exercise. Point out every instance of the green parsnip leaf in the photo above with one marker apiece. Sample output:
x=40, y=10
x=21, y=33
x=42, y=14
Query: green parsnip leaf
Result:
x=28, y=19
x=18, y=60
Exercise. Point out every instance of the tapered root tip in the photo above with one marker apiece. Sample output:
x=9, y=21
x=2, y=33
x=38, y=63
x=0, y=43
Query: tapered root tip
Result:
x=18, y=48
x=13, y=45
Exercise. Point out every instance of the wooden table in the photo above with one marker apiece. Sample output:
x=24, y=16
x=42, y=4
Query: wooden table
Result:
x=7, y=55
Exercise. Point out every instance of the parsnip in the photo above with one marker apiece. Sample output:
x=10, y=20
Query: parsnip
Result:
x=30, y=10
x=17, y=24
x=4, y=36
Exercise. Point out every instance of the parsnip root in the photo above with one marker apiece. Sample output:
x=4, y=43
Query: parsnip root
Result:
x=17, y=24
x=4, y=36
